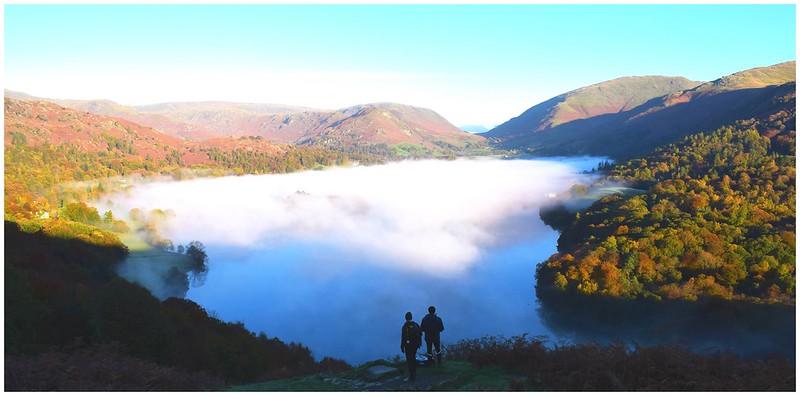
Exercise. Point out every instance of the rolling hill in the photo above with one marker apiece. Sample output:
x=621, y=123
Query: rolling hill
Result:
x=391, y=124
x=187, y=120
x=48, y=147
x=389, y=128
x=660, y=120
x=37, y=123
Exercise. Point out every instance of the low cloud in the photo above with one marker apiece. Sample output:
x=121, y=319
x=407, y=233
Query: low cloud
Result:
x=433, y=216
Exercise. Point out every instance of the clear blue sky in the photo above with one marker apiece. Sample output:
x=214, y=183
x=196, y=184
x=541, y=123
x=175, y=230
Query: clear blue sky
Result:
x=473, y=64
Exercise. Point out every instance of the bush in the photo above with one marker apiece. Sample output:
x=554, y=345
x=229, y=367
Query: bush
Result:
x=617, y=368
x=99, y=368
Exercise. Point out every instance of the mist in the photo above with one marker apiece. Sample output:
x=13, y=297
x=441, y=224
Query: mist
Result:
x=432, y=216
x=333, y=259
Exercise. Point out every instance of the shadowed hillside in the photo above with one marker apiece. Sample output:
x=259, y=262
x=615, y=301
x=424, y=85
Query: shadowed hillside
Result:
x=633, y=133
x=62, y=294
x=608, y=97
x=661, y=120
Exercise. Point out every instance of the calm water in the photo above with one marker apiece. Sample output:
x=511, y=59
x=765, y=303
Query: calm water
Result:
x=342, y=305
x=334, y=259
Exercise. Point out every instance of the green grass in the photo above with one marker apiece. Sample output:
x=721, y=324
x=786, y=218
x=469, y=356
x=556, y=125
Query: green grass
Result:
x=409, y=150
x=466, y=377
x=134, y=242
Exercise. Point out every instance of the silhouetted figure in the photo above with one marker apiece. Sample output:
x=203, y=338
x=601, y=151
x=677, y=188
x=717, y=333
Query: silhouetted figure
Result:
x=432, y=326
x=409, y=343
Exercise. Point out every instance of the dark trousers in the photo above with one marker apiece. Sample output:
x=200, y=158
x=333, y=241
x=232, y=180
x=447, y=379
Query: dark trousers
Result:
x=411, y=361
x=434, y=341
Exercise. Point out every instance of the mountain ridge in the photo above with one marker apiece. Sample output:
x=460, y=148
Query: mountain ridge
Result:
x=659, y=120
x=611, y=96
x=356, y=127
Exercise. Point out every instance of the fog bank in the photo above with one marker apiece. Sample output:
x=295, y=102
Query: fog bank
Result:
x=431, y=215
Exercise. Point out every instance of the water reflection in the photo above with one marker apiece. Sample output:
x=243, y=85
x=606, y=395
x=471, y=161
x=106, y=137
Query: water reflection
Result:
x=340, y=303
x=746, y=329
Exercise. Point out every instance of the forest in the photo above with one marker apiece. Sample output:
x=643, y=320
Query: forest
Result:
x=716, y=220
x=40, y=179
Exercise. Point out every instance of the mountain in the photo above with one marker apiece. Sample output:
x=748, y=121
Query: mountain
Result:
x=611, y=96
x=661, y=120
x=715, y=218
x=390, y=124
x=390, y=127
x=758, y=77
x=215, y=119
x=474, y=128
x=188, y=120
x=47, y=147
x=38, y=123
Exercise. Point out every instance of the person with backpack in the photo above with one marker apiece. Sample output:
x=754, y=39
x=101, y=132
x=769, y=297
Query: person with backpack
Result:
x=432, y=325
x=409, y=343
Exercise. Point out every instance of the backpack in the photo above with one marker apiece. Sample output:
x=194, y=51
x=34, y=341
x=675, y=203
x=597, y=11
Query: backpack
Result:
x=412, y=334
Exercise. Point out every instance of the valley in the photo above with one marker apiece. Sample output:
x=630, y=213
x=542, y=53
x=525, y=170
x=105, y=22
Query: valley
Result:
x=673, y=198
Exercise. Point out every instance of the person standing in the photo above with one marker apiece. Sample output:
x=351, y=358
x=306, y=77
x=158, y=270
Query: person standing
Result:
x=409, y=343
x=432, y=325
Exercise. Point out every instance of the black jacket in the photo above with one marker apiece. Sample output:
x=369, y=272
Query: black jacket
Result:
x=432, y=325
x=410, y=336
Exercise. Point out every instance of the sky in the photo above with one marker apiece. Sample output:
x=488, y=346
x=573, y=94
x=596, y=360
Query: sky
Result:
x=473, y=64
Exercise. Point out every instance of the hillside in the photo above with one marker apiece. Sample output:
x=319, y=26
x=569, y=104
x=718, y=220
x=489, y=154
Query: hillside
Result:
x=608, y=97
x=40, y=122
x=665, y=119
x=48, y=147
x=186, y=120
x=744, y=81
x=393, y=125
x=387, y=129
x=200, y=120
x=758, y=77
x=37, y=123
x=72, y=323
x=716, y=220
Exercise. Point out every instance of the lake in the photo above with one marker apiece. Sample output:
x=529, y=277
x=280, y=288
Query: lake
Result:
x=333, y=259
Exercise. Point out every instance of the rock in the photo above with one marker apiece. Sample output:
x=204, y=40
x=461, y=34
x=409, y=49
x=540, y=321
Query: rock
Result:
x=380, y=371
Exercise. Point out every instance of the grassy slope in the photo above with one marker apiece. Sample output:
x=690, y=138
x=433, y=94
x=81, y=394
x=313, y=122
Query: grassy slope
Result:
x=758, y=77
x=607, y=97
x=452, y=376
x=142, y=253
x=619, y=94
x=585, y=128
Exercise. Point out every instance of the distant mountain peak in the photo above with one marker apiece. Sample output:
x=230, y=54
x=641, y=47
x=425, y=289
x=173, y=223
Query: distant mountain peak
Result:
x=474, y=128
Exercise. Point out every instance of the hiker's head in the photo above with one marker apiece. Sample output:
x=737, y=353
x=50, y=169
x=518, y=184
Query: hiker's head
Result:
x=408, y=316
x=432, y=309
